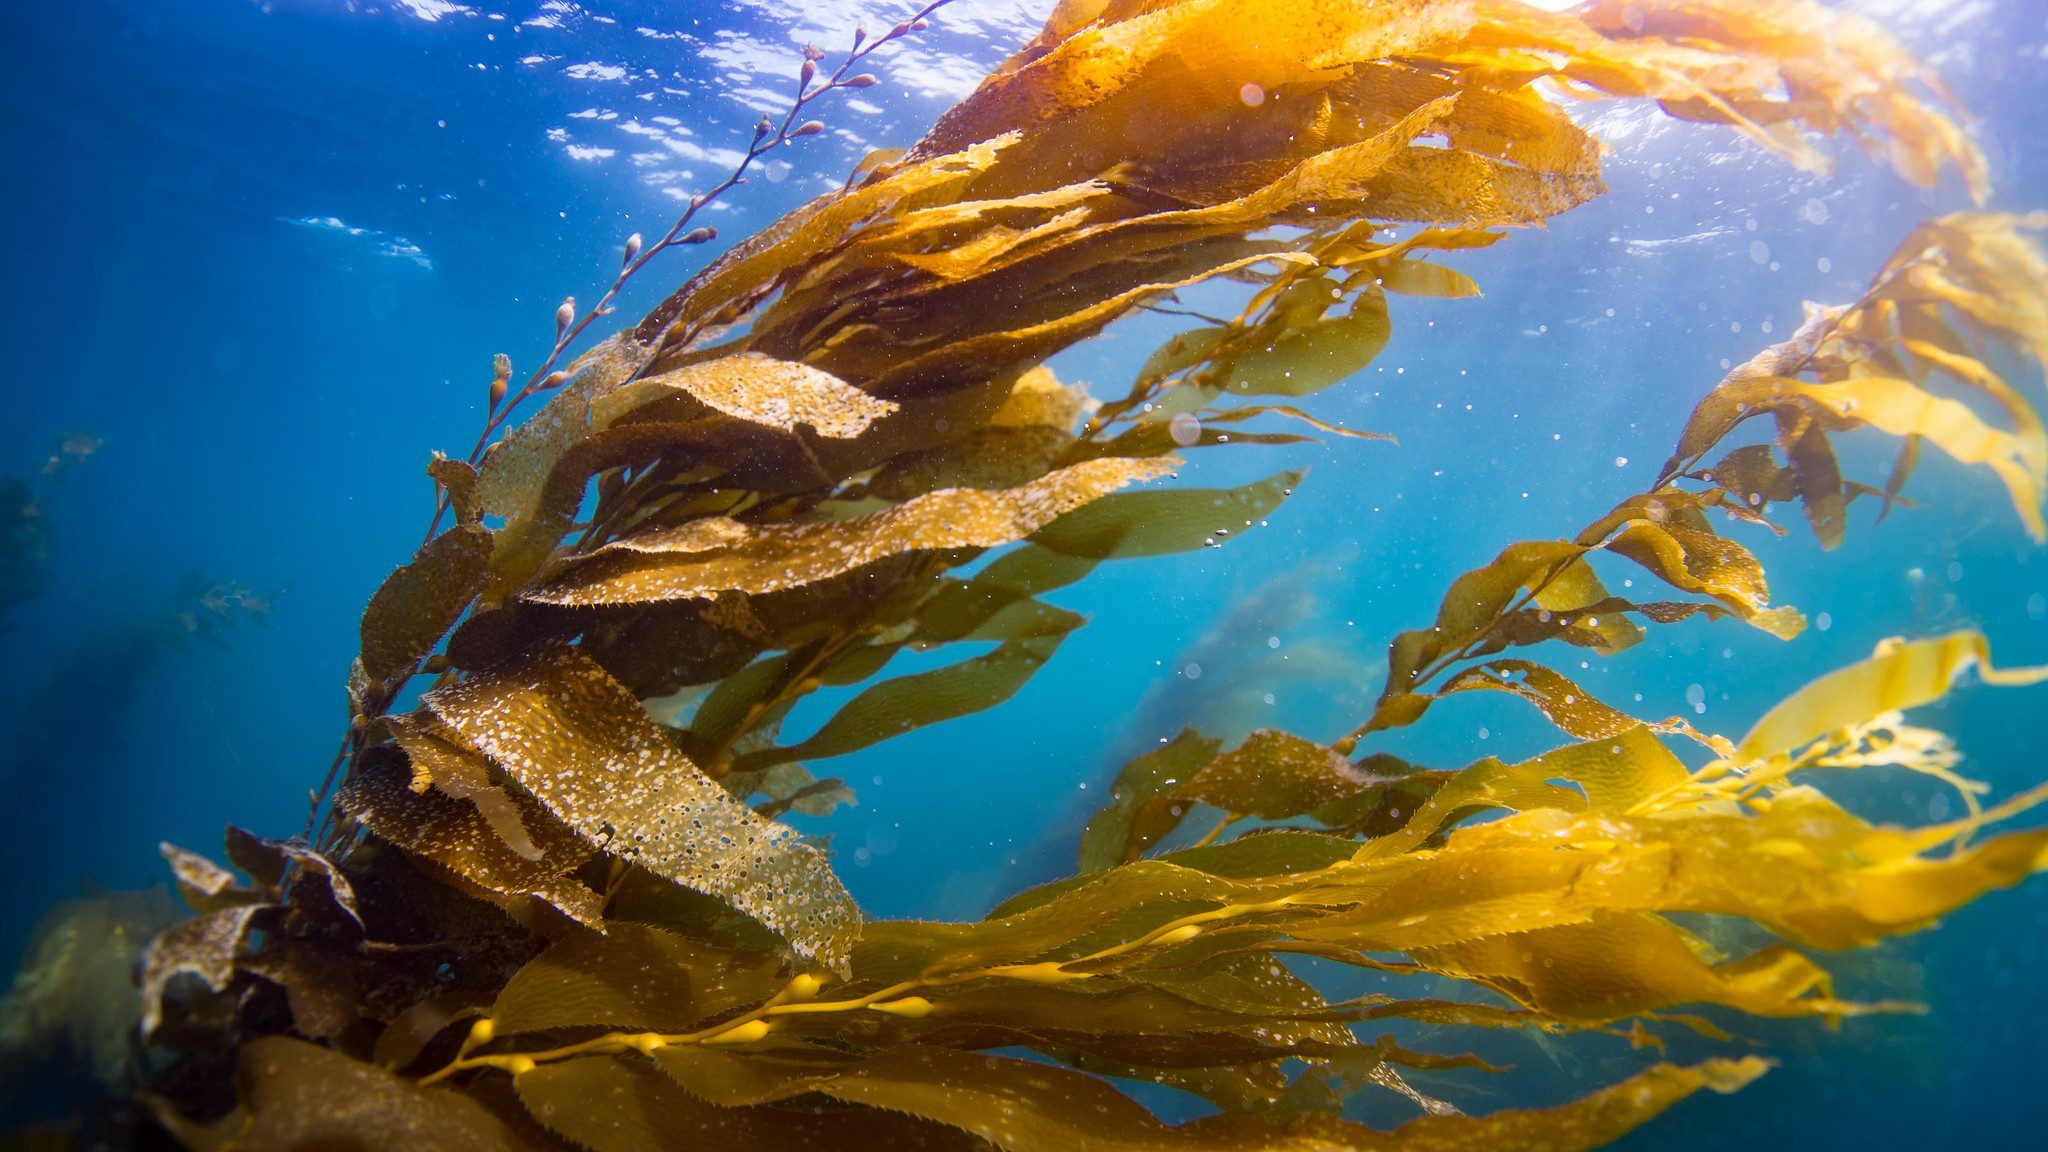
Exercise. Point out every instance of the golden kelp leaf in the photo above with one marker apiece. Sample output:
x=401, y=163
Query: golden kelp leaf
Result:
x=1274, y=775
x=463, y=486
x=455, y=835
x=1902, y=674
x=301, y=1096
x=612, y=1105
x=705, y=557
x=1422, y=278
x=1023, y=440
x=632, y=976
x=760, y=389
x=204, y=946
x=1134, y=820
x=1841, y=71
x=1613, y=967
x=416, y=605
x=893, y=707
x=1593, y=1121
x=439, y=761
x=1132, y=524
x=206, y=886
x=735, y=282
x=517, y=468
x=581, y=744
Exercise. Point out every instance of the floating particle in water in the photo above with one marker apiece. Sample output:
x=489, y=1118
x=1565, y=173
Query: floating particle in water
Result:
x=1814, y=211
x=1824, y=621
x=1193, y=671
x=1252, y=95
x=2037, y=606
x=1185, y=430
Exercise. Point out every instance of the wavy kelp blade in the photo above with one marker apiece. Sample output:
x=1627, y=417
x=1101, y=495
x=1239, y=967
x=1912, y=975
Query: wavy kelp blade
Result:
x=582, y=746
x=416, y=605
x=607, y=1104
x=705, y=557
x=1903, y=674
x=458, y=837
x=894, y=707
x=205, y=947
x=632, y=976
x=299, y=1095
x=759, y=389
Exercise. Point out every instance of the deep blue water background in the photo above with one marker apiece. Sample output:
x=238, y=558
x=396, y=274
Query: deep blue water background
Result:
x=265, y=250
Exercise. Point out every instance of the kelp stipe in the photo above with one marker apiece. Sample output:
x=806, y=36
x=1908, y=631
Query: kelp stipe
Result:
x=545, y=914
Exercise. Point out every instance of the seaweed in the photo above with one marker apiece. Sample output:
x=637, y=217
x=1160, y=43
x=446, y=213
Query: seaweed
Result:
x=548, y=898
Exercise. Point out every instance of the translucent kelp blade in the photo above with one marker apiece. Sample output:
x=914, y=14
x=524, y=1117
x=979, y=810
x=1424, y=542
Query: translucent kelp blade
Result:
x=894, y=707
x=632, y=976
x=1903, y=674
x=517, y=469
x=607, y=1104
x=705, y=557
x=759, y=389
x=416, y=605
x=581, y=744
x=299, y=1095
x=1592, y=1121
x=1616, y=966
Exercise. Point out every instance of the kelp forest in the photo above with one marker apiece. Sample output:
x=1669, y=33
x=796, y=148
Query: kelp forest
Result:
x=555, y=890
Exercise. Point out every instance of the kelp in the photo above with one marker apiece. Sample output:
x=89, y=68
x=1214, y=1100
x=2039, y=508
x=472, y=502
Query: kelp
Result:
x=560, y=898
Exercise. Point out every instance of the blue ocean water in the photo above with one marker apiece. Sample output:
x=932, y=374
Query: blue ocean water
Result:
x=263, y=252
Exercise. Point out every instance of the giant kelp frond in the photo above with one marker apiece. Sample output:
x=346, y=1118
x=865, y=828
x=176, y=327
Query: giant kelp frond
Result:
x=839, y=444
x=1961, y=292
x=1167, y=969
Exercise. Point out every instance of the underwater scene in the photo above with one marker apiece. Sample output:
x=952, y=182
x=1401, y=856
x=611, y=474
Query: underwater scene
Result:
x=1024, y=575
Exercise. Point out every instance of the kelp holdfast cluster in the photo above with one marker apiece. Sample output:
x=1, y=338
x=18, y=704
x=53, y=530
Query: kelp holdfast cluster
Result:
x=555, y=903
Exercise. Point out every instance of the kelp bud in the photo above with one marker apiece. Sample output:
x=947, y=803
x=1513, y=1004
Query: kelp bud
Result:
x=860, y=34
x=920, y=24
x=633, y=243
x=808, y=128
x=864, y=80
x=497, y=392
x=746, y=1033
x=646, y=1043
x=809, y=69
x=1180, y=935
x=483, y=1032
x=910, y=1007
x=501, y=377
x=699, y=235
x=565, y=316
x=517, y=1065
x=555, y=380
x=802, y=987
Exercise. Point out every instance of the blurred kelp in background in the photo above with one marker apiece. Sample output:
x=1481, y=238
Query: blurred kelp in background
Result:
x=24, y=530
x=529, y=912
